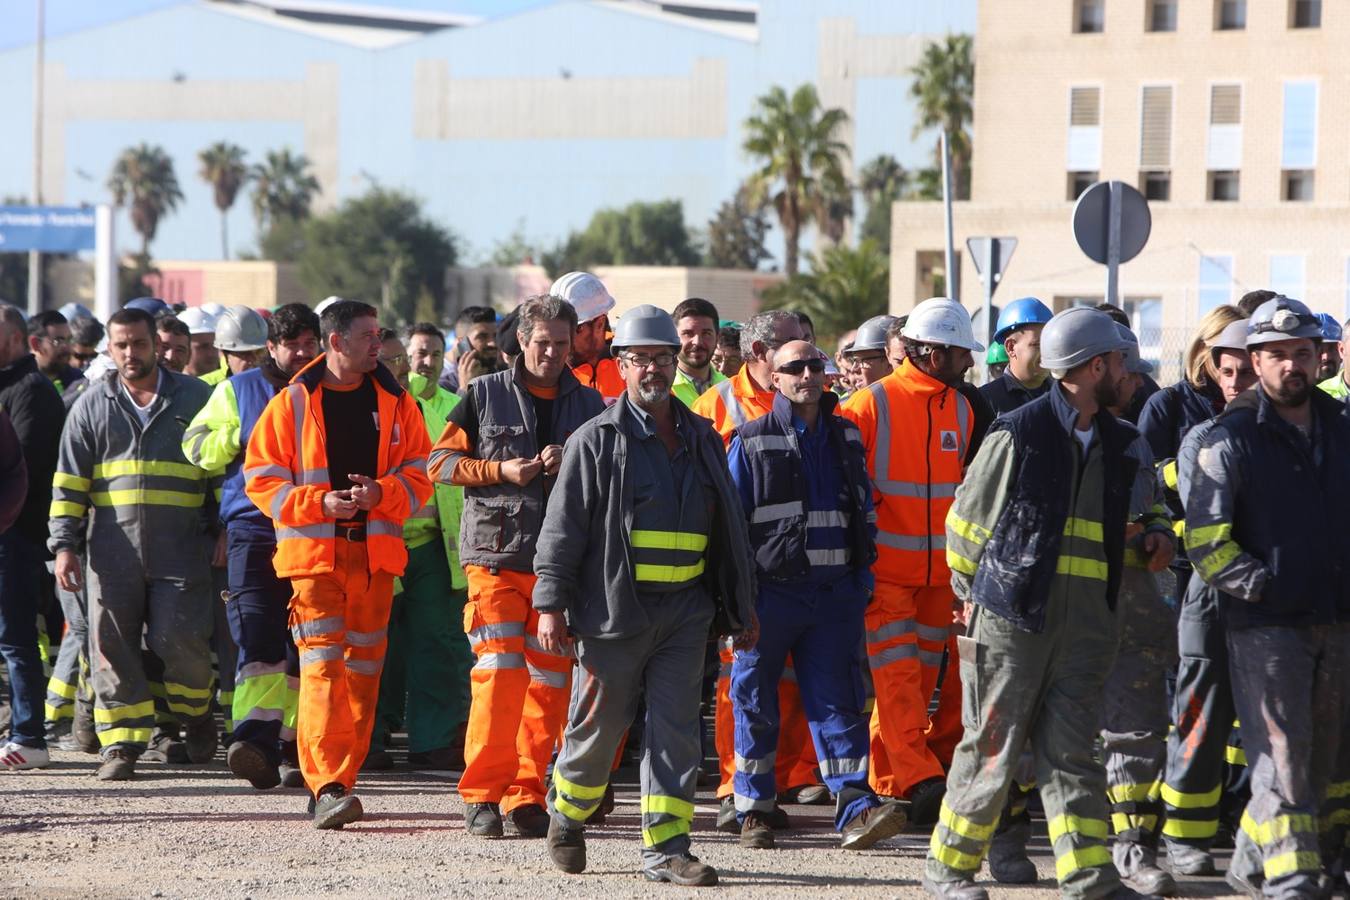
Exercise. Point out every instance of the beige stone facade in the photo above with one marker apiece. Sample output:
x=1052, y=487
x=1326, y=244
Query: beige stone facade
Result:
x=1267, y=101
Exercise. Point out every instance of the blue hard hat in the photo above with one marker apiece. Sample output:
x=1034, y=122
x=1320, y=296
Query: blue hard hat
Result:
x=1019, y=313
x=152, y=305
x=1331, y=329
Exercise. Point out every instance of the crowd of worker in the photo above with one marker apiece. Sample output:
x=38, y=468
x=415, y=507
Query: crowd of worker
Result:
x=554, y=540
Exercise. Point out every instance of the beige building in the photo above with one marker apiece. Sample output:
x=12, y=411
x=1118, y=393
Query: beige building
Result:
x=1227, y=114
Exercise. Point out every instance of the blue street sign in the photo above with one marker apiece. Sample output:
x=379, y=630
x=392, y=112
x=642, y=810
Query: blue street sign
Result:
x=50, y=229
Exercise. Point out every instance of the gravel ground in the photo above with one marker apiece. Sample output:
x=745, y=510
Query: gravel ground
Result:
x=198, y=832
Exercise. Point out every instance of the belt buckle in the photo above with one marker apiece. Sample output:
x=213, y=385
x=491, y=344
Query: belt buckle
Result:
x=354, y=533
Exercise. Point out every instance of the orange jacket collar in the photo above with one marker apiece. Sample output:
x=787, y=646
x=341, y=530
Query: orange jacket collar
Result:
x=311, y=376
x=744, y=386
x=915, y=380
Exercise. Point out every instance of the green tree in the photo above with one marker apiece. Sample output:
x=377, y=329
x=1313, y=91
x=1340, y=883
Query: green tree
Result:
x=944, y=87
x=800, y=161
x=513, y=250
x=380, y=248
x=222, y=167
x=846, y=286
x=736, y=234
x=640, y=234
x=882, y=181
x=143, y=177
x=283, y=188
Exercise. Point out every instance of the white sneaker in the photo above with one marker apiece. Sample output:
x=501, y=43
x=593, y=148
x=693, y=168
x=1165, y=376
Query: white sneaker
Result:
x=14, y=756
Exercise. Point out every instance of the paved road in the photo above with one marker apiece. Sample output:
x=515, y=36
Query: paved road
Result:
x=197, y=832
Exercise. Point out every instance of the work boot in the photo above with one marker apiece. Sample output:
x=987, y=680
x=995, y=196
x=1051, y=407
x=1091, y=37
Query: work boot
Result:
x=17, y=757
x=777, y=818
x=965, y=889
x=378, y=760
x=165, y=747
x=248, y=761
x=1189, y=860
x=82, y=729
x=528, y=821
x=1008, y=860
x=684, y=869
x=807, y=795
x=726, y=816
x=119, y=764
x=603, y=808
x=876, y=823
x=201, y=739
x=566, y=847
x=441, y=759
x=1138, y=868
x=334, y=807
x=925, y=798
x=290, y=776
x=755, y=833
x=483, y=820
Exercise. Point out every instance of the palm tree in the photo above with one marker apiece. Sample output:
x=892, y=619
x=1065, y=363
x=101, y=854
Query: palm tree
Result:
x=882, y=181
x=282, y=187
x=801, y=169
x=143, y=175
x=944, y=86
x=223, y=168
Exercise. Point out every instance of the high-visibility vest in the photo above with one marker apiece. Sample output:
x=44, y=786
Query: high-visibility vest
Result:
x=286, y=474
x=916, y=431
x=732, y=403
x=603, y=376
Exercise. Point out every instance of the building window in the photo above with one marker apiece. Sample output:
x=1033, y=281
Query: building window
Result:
x=1224, y=151
x=1223, y=186
x=1089, y=16
x=1079, y=182
x=1155, y=128
x=1156, y=185
x=1296, y=185
x=1216, y=282
x=1162, y=15
x=1085, y=130
x=1305, y=13
x=1298, y=141
x=1286, y=275
x=1230, y=15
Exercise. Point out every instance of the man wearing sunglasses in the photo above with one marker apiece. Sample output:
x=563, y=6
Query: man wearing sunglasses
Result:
x=802, y=476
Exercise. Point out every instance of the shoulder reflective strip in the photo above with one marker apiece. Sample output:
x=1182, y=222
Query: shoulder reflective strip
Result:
x=963, y=826
x=916, y=489
x=1062, y=825
x=775, y=511
x=307, y=532
x=138, y=497
x=1184, y=828
x=1210, y=534
x=578, y=791
x=727, y=391
x=826, y=518
x=74, y=482
x=1081, y=567
x=881, y=441
x=844, y=766
x=667, y=574
x=547, y=677
x=369, y=667
x=660, y=804
x=659, y=834
x=119, y=713
x=1080, y=858
x=1083, y=528
x=366, y=638
x=952, y=858
x=496, y=631
x=917, y=542
x=66, y=508
x=885, y=657
x=976, y=534
x=279, y=501
x=894, y=628
x=385, y=527
x=321, y=654
x=146, y=467
x=1178, y=800
x=933, y=633
x=766, y=442
x=110, y=736
x=669, y=540
x=500, y=661
x=958, y=563
x=838, y=557
x=269, y=471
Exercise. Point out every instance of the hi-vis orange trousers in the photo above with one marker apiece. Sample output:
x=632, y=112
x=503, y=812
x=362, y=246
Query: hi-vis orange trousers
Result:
x=339, y=620
x=520, y=693
x=796, y=761
x=907, y=630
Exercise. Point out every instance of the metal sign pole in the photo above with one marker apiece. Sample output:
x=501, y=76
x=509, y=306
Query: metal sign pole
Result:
x=953, y=288
x=990, y=274
x=1113, y=212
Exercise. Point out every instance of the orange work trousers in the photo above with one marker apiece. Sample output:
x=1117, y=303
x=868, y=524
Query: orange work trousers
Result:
x=339, y=621
x=796, y=761
x=907, y=630
x=520, y=693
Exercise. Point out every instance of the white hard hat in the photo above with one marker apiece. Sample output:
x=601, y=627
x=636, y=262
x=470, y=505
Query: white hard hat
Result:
x=241, y=329
x=212, y=309
x=327, y=302
x=939, y=320
x=198, y=319
x=585, y=292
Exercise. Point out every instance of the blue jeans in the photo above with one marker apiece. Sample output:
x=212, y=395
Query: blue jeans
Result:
x=20, y=574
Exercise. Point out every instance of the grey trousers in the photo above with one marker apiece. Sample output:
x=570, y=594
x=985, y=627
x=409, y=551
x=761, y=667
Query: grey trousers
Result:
x=666, y=662
x=69, y=670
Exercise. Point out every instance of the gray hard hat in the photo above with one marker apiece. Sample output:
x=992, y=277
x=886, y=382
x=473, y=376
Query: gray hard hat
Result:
x=872, y=334
x=1076, y=335
x=1233, y=337
x=241, y=329
x=645, y=326
x=1282, y=319
x=1134, y=363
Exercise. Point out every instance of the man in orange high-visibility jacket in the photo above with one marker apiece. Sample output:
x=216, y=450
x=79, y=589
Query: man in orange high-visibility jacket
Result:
x=503, y=445
x=338, y=461
x=730, y=404
x=590, y=359
x=917, y=428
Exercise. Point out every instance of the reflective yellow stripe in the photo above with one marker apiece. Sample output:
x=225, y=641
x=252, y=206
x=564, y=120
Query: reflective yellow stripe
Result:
x=1179, y=528
x=1062, y=825
x=140, y=497
x=580, y=791
x=1081, y=567
x=976, y=534
x=1132, y=793
x=1212, y=534
x=66, y=508
x=1177, y=799
x=183, y=690
x=1184, y=828
x=73, y=482
x=134, y=711
x=575, y=813
x=1288, y=863
x=1235, y=756
x=1278, y=828
x=55, y=714
x=659, y=834
x=1169, y=474
x=953, y=858
x=1338, y=789
x=1081, y=858
x=958, y=563
x=667, y=574
x=963, y=826
x=669, y=540
x=124, y=735
x=121, y=467
x=1086, y=529
x=659, y=803
x=1214, y=563
x=1129, y=821
x=189, y=709
x=60, y=688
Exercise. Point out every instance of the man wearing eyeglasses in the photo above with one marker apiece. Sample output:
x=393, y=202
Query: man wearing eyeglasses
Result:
x=802, y=476
x=643, y=548
x=49, y=339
